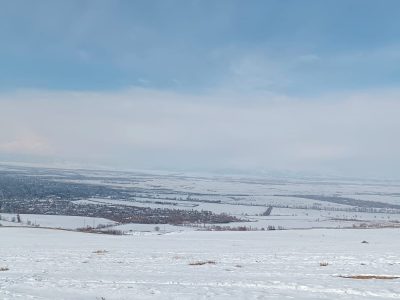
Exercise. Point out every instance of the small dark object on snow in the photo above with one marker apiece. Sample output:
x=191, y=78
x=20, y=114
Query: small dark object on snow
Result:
x=268, y=211
x=364, y=242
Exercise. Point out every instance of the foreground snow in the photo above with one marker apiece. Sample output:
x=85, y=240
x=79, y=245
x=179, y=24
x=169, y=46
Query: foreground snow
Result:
x=54, y=264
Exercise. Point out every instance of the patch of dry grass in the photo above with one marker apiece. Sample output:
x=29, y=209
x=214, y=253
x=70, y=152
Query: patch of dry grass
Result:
x=100, y=252
x=365, y=277
x=201, y=263
x=178, y=257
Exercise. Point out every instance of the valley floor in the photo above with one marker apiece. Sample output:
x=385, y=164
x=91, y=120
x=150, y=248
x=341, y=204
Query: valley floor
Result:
x=52, y=264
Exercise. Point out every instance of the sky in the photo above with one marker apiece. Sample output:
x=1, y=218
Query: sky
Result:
x=215, y=86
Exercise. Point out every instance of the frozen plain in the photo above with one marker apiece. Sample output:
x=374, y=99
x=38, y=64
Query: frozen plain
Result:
x=56, y=264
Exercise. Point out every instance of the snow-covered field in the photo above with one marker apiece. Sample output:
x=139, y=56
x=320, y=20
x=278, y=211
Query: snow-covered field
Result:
x=64, y=222
x=297, y=202
x=53, y=264
x=163, y=261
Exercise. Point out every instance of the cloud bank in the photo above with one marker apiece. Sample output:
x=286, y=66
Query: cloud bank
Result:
x=353, y=134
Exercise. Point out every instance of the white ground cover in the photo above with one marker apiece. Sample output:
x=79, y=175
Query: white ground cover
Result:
x=53, y=221
x=54, y=264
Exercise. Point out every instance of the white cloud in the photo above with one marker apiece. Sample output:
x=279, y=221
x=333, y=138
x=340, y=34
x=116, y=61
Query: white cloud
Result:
x=351, y=134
